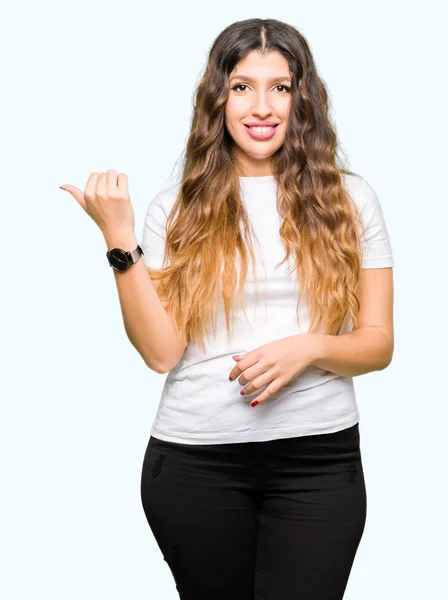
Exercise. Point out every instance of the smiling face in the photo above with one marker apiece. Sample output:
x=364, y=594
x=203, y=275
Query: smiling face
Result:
x=259, y=93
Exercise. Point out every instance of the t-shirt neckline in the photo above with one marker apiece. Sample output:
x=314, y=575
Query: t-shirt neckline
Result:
x=258, y=177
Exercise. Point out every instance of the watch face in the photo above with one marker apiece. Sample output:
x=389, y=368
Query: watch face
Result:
x=118, y=259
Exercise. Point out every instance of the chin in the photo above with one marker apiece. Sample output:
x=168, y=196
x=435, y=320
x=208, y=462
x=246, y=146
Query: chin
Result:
x=260, y=155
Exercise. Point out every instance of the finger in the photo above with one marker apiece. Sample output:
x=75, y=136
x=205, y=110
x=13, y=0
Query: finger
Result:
x=242, y=365
x=77, y=194
x=237, y=371
x=90, y=188
x=111, y=182
x=257, y=382
x=123, y=185
x=267, y=393
x=101, y=186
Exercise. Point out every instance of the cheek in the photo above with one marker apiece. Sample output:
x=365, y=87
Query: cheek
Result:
x=231, y=112
x=284, y=109
x=236, y=109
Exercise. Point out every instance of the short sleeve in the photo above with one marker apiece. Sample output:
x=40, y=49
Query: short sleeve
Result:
x=376, y=246
x=154, y=233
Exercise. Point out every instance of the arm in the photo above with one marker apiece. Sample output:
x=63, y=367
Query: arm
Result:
x=147, y=323
x=370, y=346
x=354, y=353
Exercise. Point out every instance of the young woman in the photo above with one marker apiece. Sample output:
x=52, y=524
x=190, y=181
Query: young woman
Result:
x=252, y=481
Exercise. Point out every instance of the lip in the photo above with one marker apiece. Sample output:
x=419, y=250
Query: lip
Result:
x=260, y=123
x=260, y=135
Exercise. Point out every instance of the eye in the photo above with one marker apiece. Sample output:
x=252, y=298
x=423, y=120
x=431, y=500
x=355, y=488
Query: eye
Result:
x=288, y=89
x=238, y=86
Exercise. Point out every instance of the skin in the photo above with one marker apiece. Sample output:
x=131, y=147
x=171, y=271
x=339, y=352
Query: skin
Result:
x=266, y=98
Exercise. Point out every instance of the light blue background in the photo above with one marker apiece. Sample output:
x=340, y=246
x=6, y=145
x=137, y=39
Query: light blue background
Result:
x=90, y=86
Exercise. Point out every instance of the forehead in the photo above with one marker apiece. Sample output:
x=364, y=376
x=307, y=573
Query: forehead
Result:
x=256, y=67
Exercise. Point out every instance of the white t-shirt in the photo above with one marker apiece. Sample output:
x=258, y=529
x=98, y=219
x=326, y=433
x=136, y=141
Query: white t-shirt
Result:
x=199, y=405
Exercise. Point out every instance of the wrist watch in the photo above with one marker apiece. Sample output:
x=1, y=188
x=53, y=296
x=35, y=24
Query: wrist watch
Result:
x=121, y=260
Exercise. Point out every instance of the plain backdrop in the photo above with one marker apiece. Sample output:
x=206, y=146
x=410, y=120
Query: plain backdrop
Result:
x=91, y=86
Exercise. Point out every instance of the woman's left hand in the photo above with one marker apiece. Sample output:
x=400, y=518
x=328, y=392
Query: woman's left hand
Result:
x=274, y=363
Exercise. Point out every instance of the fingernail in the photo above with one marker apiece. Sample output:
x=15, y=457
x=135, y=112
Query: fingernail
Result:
x=254, y=403
x=62, y=188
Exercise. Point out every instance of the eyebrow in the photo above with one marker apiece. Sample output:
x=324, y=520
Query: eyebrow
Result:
x=250, y=80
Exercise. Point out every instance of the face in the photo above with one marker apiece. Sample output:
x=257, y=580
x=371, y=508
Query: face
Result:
x=259, y=93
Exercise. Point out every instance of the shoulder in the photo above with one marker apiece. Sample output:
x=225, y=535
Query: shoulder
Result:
x=363, y=195
x=355, y=186
x=166, y=198
x=160, y=207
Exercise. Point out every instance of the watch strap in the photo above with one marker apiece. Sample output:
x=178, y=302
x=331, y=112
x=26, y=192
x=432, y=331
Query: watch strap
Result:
x=135, y=254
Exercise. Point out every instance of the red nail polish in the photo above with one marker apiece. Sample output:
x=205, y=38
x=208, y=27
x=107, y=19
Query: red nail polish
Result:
x=254, y=403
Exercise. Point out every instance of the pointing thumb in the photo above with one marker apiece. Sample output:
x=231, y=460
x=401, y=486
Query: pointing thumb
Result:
x=76, y=193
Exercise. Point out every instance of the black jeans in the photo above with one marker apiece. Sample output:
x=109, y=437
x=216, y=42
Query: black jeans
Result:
x=274, y=520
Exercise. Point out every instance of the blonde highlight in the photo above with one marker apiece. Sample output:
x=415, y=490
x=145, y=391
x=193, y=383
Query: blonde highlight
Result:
x=208, y=228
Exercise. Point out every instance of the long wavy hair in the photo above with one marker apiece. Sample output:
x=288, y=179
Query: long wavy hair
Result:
x=319, y=219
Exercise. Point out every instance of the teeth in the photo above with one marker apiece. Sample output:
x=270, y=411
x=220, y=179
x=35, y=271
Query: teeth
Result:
x=262, y=129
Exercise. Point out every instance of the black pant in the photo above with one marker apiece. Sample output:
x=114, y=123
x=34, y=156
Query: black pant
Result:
x=275, y=520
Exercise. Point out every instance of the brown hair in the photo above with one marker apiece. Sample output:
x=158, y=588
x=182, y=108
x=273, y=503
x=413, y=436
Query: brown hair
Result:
x=320, y=220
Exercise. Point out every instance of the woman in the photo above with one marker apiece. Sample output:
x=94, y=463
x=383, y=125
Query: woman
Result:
x=261, y=495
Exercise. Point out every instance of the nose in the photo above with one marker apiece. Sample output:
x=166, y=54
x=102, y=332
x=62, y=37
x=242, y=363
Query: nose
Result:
x=261, y=105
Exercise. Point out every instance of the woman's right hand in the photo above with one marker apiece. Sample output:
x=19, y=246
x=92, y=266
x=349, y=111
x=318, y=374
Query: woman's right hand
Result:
x=107, y=201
